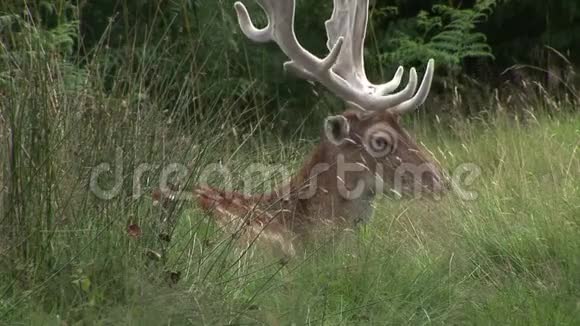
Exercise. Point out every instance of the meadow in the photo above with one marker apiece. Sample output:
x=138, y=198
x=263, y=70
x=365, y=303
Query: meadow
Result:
x=71, y=255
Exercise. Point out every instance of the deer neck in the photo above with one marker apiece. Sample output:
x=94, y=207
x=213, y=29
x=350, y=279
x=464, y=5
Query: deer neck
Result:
x=319, y=192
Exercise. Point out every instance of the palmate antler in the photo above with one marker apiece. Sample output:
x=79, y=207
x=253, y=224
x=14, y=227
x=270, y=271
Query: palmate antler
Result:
x=342, y=70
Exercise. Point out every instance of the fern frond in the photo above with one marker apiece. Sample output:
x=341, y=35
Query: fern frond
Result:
x=449, y=36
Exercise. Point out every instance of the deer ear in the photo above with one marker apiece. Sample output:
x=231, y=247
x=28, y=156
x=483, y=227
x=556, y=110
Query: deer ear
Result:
x=336, y=129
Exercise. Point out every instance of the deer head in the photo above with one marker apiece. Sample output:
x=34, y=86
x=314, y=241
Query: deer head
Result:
x=373, y=153
x=369, y=135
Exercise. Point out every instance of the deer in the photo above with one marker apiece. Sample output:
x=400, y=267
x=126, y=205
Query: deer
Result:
x=363, y=152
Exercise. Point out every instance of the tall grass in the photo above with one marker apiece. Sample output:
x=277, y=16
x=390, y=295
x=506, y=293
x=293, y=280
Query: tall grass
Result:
x=59, y=239
x=70, y=257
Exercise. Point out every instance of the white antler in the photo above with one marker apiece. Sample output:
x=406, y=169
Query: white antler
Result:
x=342, y=71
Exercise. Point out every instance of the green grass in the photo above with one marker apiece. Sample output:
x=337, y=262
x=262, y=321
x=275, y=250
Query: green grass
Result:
x=511, y=256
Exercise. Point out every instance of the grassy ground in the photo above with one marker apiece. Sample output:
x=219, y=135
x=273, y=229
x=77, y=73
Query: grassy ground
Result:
x=511, y=256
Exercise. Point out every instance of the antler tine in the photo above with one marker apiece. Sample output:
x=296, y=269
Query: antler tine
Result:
x=261, y=35
x=391, y=85
x=349, y=20
x=280, y=29
x=422, y=93
x=342, y=70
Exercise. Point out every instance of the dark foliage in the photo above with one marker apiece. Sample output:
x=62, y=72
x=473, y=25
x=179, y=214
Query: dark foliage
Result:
x=199, y=42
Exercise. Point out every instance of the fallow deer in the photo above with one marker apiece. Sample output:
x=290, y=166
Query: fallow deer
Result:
x=363, y=151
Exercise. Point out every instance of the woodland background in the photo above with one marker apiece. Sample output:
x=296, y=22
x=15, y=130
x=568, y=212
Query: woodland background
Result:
x=479, y=46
